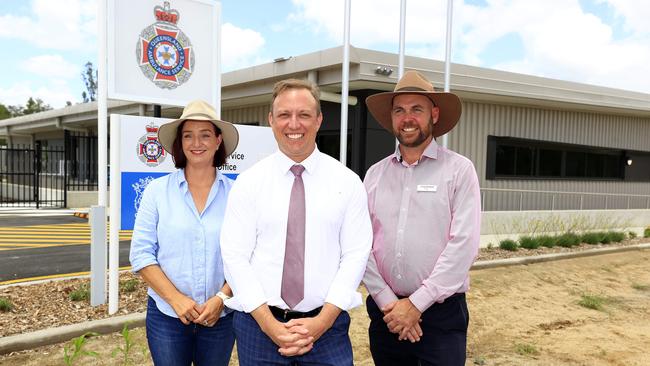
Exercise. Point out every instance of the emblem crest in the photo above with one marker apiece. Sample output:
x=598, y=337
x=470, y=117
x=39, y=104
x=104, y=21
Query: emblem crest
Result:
x=150, y=150
x=163, y=52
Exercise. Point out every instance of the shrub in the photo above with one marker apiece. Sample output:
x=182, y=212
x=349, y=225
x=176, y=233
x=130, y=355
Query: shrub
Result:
x=547, y=241
x=568, y=240
x=509, y=245
x=129, y=285
x=82, y=293
x=528, y=242
x=591, y=238
x=646, y=232
x=631, y=234
x=594, y=302
x=6, y=305
x=605, y=238
x=526, y=349
x=616, y=236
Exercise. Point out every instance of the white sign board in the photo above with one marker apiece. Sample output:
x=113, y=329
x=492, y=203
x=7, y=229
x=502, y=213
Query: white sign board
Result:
x=164, y=52
x=142, y=158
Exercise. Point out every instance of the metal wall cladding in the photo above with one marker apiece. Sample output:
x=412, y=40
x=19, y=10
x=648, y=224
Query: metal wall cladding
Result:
x=250, y=115
x=479, y=120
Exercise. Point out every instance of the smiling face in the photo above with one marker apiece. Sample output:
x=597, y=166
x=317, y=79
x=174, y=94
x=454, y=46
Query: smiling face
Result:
x=295, y=120
x=413, y=118
x=200, y=142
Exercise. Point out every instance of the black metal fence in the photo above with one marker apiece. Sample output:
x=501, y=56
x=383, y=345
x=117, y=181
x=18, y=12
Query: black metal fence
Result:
x=32, y=176
x=41, y=176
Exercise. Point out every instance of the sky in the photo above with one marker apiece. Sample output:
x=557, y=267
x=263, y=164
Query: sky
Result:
x=601, y=42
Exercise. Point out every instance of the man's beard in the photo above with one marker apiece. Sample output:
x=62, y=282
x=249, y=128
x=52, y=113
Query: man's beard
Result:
x=421, y=138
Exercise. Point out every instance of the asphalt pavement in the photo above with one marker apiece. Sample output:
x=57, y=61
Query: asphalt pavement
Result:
x=42, y=244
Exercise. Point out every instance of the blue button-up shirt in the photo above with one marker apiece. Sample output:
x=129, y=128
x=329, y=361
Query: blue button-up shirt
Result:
x=171, y=233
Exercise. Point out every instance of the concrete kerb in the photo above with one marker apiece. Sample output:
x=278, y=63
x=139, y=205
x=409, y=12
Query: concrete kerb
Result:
x=50, y=336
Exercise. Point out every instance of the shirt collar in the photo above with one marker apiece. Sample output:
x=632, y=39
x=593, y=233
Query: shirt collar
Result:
x=431, y=152
x=182, y=181
x=285, y=163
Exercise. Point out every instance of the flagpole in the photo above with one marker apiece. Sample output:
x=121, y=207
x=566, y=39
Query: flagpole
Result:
x=445, y=139
x=402, y=42
x=345, y=78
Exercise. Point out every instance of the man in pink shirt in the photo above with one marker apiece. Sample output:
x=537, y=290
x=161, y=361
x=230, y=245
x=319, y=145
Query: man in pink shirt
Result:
x=424, y=203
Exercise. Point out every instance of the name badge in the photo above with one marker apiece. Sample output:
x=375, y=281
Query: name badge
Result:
x=427, y=188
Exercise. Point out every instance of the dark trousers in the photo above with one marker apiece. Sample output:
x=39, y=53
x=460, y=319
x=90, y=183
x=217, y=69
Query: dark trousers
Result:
x=444, y=339
x=173, y=343
x=254, y=348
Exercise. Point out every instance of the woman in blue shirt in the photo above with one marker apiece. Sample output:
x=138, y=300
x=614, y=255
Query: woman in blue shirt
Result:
x=175, y=245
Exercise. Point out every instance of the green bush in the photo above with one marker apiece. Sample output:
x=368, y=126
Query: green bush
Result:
x=616, y=236
x=606, y=238
x=591, y=238
x=82, y=293
x=547, y=241
x=6, y=305
x=528, y=242
x=631, y=234
x=129, y=285
x=568, y=240
x=509, y=245
x=646, y=232
x=594, y=302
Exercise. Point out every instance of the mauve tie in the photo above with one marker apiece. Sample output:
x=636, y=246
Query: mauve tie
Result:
x=293, y=272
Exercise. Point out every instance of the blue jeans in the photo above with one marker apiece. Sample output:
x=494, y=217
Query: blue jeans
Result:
x=173, y=343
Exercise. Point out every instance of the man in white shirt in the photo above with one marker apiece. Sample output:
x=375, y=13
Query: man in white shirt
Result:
x=295, y=242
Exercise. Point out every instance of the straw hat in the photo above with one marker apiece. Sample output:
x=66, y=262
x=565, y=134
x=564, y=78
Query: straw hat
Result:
x=199, y=110
x=381, y=104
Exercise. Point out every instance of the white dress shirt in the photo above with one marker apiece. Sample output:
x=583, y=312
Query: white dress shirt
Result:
x=338, y=233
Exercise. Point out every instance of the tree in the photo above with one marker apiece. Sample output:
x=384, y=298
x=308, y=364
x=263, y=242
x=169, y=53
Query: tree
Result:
x=4, y=112
x=89, y=77
x=35, y=106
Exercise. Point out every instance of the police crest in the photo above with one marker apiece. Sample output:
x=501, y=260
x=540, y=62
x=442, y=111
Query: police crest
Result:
x=150, y=150
x=163, y=52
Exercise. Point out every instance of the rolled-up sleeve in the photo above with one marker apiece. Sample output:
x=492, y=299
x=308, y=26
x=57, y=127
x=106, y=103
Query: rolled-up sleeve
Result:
x=144, y=242
x=355, y=241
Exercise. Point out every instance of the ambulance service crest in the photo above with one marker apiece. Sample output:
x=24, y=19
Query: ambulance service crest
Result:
x=150, y=150
x=164, y=53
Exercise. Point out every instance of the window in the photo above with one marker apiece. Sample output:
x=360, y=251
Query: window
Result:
x=515, y=158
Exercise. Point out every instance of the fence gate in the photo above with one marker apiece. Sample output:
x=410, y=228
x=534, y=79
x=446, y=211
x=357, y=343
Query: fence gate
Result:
x=33, y=177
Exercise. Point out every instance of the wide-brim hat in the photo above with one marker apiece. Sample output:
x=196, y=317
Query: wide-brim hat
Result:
x=381, y=104
x=199, y=110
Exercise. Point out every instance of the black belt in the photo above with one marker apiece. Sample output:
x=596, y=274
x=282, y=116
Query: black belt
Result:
x=286, y=314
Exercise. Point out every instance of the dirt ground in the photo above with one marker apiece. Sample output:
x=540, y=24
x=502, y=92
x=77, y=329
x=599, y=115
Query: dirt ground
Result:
x=522, y=315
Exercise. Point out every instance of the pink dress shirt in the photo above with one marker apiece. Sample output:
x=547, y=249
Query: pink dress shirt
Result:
x=426, y=223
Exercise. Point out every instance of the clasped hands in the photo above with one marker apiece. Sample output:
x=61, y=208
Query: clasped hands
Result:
x=297, y=336
x=403, y=318
x=189, y=311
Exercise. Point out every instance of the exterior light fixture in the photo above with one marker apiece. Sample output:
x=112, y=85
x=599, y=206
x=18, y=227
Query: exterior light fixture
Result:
x=281, y=59
x=629, y=161
x=383, y=70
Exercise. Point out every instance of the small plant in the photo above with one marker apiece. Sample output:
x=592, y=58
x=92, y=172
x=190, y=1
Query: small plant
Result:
x=82, y=293
x=525, y=349
x=646, y=232
x=479, y=360
x=509, y=245
x=547, y=241
x=592, y=238
x=641, y=287
x=490, y=246
x=74, y=350
x=631, y=234
x=605, y=238
x=528, y=242
x=125, y=350
x=568, y=240
x=594, y=302
x=6, y=305
x=616, y=236
x=129, y=285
